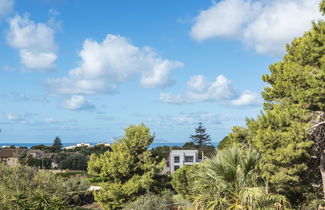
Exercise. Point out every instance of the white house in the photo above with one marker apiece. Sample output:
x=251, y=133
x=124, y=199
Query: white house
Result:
x=83, y=145
x=179, y=158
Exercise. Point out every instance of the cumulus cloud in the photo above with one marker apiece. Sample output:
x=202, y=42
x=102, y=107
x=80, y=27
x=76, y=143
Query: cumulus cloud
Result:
x=247, y=98
x=105, y=65
x=199, y=90
x=77, y=102
x=35, y=42
x=6, y=7
x=265, y=26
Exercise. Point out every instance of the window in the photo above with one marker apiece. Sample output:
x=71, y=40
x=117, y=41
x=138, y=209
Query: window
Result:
x=176, y=159
x=189, y=159
x=176, y=167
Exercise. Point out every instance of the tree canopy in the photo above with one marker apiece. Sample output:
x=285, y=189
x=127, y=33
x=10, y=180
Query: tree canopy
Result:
x=57, y=144
x=294, y=98
x=129, y=169
x=201, y=137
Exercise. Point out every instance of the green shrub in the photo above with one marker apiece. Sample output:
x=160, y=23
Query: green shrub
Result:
x=152, y=202
x=182, y=180
x=22, y=187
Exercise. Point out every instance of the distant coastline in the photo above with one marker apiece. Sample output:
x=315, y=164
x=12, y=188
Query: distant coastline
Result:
x=29, y=145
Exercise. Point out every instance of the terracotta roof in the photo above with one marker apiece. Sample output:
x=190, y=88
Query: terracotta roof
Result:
x=7, y=153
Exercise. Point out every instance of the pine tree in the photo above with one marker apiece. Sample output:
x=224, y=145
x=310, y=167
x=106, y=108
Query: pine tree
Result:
x=129, y=170
x=295, y=103
x=201, y=138
x=57, y=143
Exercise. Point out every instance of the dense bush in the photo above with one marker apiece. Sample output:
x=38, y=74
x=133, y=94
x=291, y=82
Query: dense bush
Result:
x=25, y=188
x=76, y=188
x=75, y=162
x=151, y=201
x=183, y=180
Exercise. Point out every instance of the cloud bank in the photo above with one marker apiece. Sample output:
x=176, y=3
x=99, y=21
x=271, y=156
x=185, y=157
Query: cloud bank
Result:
x=265, y=26
x=220, y=90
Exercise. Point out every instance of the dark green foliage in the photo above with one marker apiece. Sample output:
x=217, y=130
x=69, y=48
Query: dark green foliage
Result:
x=190, y=145
x=44, y=148
x=43, y=163
x=57, y=144
x=75, y=162
x=161, y=182
x=183, y=180
x=151, y=201
x=200, y=137
x=97, y=149
x=161, y=152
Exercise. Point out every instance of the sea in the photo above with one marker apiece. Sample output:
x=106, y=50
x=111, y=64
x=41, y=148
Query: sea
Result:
x=29, y=145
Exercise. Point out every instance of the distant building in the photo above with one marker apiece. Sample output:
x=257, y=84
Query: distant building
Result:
x=78, y=145
x=11, y=156
x=83, y=145
x=104, y=144
x=35, y=153
x=70, y=147
x=180, y=158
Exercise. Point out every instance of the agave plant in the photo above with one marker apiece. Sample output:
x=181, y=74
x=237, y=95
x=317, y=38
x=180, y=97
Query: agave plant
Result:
x=230, y=180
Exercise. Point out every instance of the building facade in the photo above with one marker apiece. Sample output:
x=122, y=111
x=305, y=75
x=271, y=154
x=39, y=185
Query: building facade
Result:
x=180, y=158
x=11, y=156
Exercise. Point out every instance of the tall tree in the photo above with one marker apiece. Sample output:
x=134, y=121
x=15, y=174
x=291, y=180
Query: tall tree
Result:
x=57, y=143
x=201, y=138
x=298, y=80
x=289, y=131
x=129, y=169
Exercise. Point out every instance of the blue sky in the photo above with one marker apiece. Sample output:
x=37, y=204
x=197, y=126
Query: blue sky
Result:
x=85, y=70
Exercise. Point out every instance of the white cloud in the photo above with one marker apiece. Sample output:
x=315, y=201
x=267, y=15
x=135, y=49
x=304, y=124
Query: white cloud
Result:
x=105, y=65
x=265, y=26
x=200, y=90
x=221, y=90
x=6, y=7
x=77, y=102
x=35, y=42
x=247, y=98
x=16, y=118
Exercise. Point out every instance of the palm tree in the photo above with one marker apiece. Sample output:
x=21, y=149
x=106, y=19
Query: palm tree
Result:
x=231, y=180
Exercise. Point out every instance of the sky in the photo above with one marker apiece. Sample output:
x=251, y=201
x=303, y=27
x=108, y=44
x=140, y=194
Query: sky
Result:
x=86, y=70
